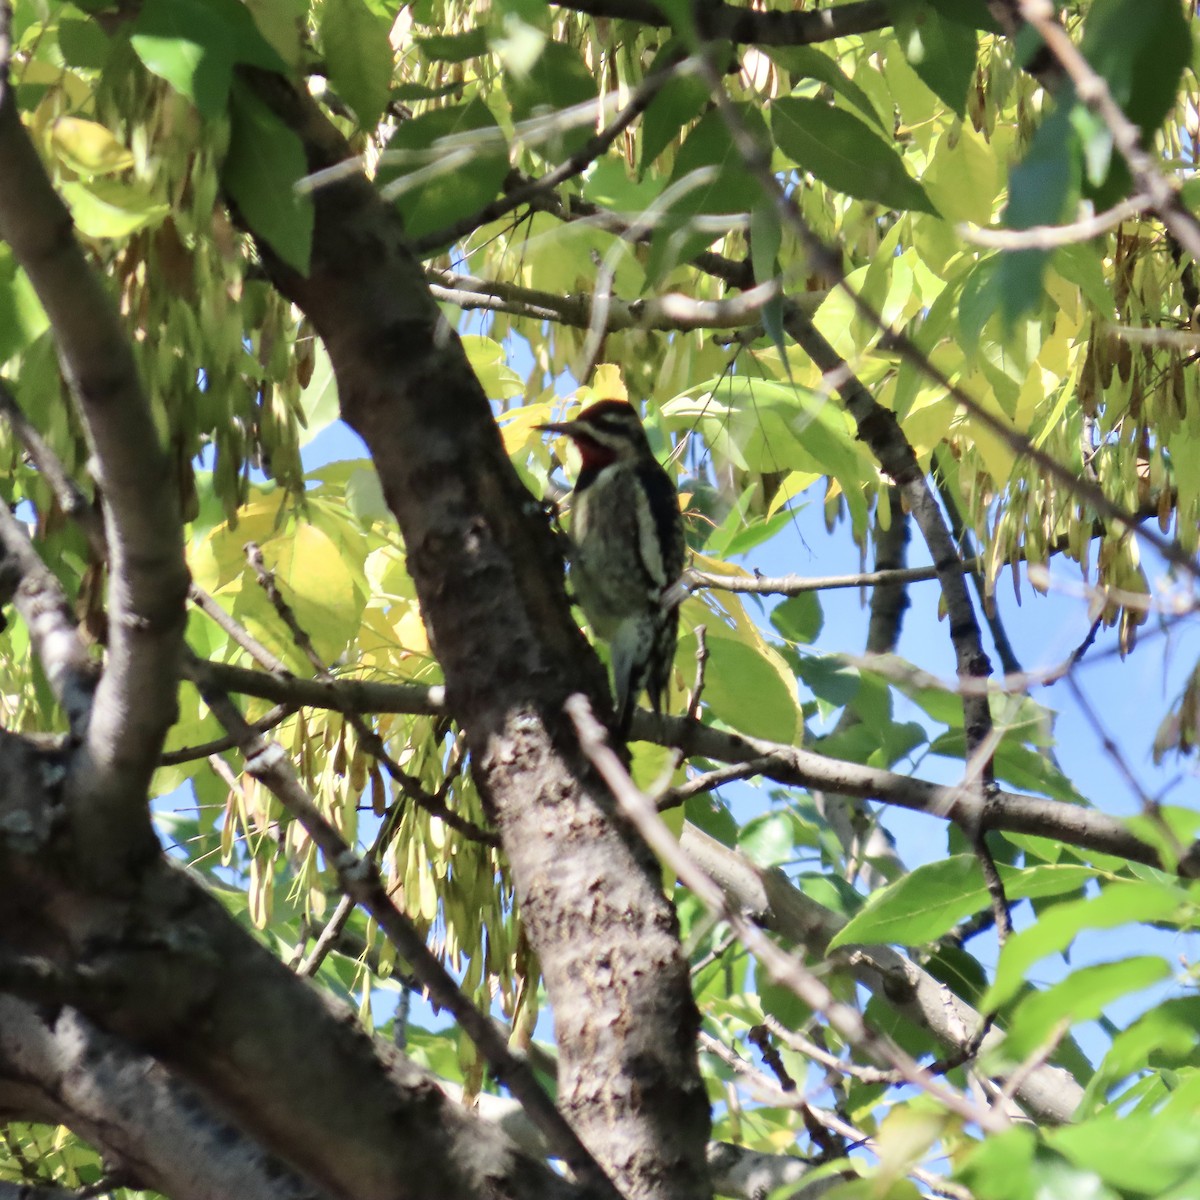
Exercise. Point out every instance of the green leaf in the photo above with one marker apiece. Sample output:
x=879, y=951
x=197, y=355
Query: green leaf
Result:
x=261, y=170
x=769, y=840
x=358, y=57
x=746, y=686
x=841, y=151
x=1141, y=48
x=490, y=364
x=83, y=44
x=679, y=100
x=22, y=318
x=1166, y=1036
x=931, y=900
x=453, y=47
x=112, y=208
x=1001, y=1165
x=799, y=618
x=1082, y=996
x=1040, y=190
x=1143, y=1154
x=465, y=140
x=942, y=52
x=194, y=44
x=558, y=80
x=807, y=62
x=709, y=178
x=1119, y=903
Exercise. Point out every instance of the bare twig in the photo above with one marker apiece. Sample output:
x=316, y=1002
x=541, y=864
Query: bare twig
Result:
x=1047, y=237
x=1093, y=92
x=797, y=585
x=671, y=311
x=237, y=632
x=591, y=150
x=268, y=721
x=408, y=783
x=328, y=938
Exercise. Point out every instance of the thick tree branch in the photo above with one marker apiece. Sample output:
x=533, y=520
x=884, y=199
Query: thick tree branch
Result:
x=1010, y=811
x=489, y=579
x=1086, y=828
x=57, y=1067
x=135, y=700
x=292, y=1068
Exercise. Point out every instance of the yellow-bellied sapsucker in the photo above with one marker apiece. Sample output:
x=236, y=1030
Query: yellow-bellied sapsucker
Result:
x=627, y=549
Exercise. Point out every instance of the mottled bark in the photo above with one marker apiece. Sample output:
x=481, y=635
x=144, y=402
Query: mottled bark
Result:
x=489, y=578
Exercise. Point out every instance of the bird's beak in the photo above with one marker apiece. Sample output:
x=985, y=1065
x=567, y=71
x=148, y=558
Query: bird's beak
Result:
x=563, y=427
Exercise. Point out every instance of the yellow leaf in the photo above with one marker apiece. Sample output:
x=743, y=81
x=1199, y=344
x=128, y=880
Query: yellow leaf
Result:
x=411, y=635
x=314, y=580
x=110, y=208
x=607, y=383
x=88, y=148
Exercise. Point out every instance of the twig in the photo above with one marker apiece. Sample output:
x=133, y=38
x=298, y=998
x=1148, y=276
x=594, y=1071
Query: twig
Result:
x=710, y=781
x=591, y=150
x=269, y=764
x=797, y=585
x=173, y=758
x=328, y=937
x=760, y=1036
x=671, y=311
x=1093, y=92
x=409, y=784
x=693, y=704
x=236, y=631
x=1047, y=237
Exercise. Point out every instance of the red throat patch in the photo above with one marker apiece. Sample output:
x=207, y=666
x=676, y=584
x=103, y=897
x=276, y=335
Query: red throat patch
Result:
x=595, y=456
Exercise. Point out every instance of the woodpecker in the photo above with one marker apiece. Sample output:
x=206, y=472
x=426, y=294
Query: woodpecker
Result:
x=627, y=548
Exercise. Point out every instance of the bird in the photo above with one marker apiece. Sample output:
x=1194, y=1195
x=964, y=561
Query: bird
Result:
x=626, y=549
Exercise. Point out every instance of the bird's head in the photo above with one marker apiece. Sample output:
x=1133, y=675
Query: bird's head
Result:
x=605, y=432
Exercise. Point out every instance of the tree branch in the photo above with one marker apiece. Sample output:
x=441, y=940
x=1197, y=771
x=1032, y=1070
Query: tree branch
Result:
x=673, y=311
x=135, y=698
x=1011, y=811
x=778, y=27
x=489, y=578
x=39, y=598
x=1048, y=1093
x=57, y=1067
